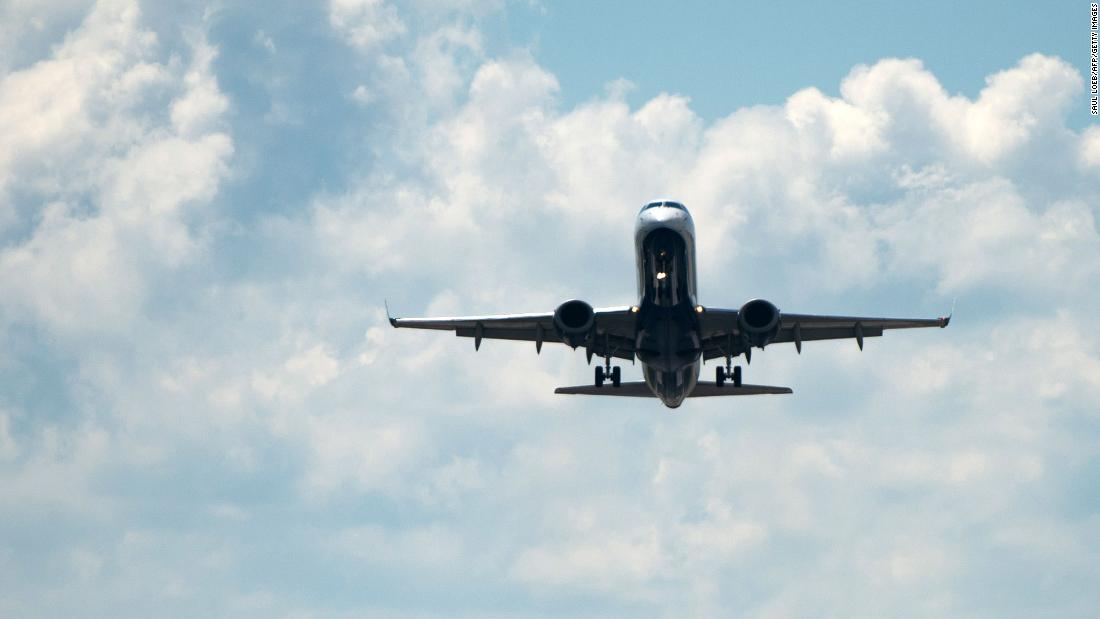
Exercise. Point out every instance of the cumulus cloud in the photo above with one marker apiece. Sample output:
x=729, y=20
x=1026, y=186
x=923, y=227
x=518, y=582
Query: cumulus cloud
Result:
x=366, y=24
x=100, y=178
x=844, y=188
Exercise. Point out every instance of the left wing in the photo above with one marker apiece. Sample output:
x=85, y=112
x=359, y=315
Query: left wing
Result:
x=721, y=334
x=612, y=329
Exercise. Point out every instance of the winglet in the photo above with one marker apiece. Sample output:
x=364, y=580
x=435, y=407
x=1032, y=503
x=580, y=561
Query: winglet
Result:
x=393, y=321
x=946, y=320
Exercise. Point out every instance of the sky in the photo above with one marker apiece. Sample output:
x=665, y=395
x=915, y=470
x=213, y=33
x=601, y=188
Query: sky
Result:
x=203, y=411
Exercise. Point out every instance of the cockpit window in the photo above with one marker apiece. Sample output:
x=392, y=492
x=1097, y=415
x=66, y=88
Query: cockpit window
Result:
x=664, y=203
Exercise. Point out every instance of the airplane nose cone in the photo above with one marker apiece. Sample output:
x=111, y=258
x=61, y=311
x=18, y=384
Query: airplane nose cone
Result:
x=676, y=219
x=663, y=215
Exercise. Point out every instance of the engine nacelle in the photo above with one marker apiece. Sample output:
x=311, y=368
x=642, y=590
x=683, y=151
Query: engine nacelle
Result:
x=573, y=321
x=759, y=322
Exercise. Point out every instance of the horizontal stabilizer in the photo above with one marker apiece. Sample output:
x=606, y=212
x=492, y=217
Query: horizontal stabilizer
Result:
x=627, y=390
x=702, y=390
x=709, y=389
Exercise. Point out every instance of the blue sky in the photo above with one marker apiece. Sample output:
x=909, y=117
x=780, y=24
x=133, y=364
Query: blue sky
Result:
x=203, y=411
x=743, y=54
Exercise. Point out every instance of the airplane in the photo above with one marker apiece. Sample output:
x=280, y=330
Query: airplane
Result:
x=667, y=330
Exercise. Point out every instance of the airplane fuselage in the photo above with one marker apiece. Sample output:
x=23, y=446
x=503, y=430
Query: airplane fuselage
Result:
x=667, y=342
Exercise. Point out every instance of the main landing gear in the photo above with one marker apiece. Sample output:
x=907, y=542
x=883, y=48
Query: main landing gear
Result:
x=722, y=374
x=605, y=371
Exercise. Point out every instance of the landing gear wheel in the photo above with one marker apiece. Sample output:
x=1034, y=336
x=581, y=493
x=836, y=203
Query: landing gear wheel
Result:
x=719, y=376
x=599, y=376
x=616, y=376
x=737, y=376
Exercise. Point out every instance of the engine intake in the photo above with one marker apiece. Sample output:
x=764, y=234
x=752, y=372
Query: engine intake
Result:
x=759, y=322
x=573, y=321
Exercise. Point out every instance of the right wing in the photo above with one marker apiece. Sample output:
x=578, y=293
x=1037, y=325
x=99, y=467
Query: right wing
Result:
x=613, y=329
x=721, y=334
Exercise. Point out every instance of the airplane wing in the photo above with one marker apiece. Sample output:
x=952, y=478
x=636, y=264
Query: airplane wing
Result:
x=613, y=327
x=721, y=332
x=702, y=390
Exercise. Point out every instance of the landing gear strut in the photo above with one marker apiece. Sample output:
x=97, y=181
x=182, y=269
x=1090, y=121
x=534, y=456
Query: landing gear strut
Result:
x=722, y=374
x=605, y=372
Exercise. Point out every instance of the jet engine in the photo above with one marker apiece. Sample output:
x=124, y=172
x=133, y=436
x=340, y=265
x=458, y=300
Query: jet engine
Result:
x=573, y=321
x=759, y=322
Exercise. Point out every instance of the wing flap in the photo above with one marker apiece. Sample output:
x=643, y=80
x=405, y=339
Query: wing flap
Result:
x=507, y=333
x=825, y=333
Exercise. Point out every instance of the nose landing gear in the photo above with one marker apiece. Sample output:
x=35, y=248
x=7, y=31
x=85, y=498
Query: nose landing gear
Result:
x=605, y=372
x=722, y=374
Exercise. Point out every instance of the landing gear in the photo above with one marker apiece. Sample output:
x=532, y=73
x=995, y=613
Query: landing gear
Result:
x=721, y=374
x=605, y=372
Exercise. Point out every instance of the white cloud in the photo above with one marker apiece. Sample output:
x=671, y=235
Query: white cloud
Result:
x=55, y=473
x=198, y=111
x=112, y=177
x=51, y=109
x=1017, y=105
x=72, y=275
x=619, y=562
x=9, y=449
x=303, y=372
x=366, y=24
x=849, y=130
x=795, y=172
x=1090, y=147
x=915, y=111
x=348, y=454
x=439, y=58
x=425, y=548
